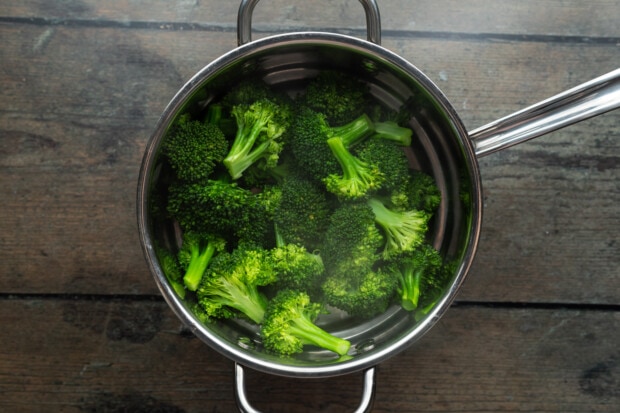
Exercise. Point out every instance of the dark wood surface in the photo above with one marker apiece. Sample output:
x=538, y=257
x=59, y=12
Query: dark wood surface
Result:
x=535, y=328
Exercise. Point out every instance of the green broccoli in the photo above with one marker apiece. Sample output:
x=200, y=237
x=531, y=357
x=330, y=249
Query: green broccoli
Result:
x=435, y=288
x=260, y=126
x=245, y=92
x=392, y=132
x=288, y=326
x=195, y=254
x=303, y=213
x=337, y=95
x=403, y=230
x=417, y=272
x=309, y=133
x=357, y=177
x=423, y=192
x=354, y=283
x=352, y=240
x=171, y=269
x=194, y=148
x=389, y=158
x=297, y=268
x=231, y=284
x=223, y=208
x=361, y=294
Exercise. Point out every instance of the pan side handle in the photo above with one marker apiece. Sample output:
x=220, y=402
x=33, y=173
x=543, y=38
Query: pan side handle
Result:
x=244, y=21
x=587, y=100
x=244, y=405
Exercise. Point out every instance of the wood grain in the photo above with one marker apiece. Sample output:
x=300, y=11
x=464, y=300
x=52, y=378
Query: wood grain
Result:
x=535, y=327
x=79, y=111
x=134, y=356
x=570, y=18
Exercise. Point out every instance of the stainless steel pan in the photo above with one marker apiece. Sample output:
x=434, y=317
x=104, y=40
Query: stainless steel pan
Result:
x=442, y=148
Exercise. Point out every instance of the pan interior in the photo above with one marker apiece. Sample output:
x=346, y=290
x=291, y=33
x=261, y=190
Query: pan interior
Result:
x=440, y=148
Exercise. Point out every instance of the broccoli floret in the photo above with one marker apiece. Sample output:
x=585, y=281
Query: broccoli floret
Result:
x=352, y=239
x=289, y=325
x=297, y=268
x=417, y=272
x=246, y=92
x=308, y=140
x=423, y=192
x=171, y=269
x=403, y=230
x=223, y=208
x=195, y=254
x=194, y=148
x=339, y=96
x=392, y=132
x=361, y=294
x=389, y=158
x=260, y=126
x=231, y=283
x=354, y=280
x=357, y=177
x=303, y=213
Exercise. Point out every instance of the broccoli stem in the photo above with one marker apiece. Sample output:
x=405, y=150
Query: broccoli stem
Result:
x=358, y=177
x=354, y=131
x=393, y=132
x=197, y=266
x=310, y=333
x=238, y=296
x=241, y=156
x=410, y=289
x=404, y=230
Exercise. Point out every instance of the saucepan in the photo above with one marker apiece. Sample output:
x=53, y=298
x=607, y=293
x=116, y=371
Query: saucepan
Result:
x=442, y=148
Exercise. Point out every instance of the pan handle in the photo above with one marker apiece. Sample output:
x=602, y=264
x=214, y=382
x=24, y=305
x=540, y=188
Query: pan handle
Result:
x=244, y=405
x=589, y=99
x=244, y=21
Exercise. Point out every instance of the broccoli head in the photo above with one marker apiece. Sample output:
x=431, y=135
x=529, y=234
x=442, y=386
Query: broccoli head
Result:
x=362, y=294
x=417, y=271
x=288, y=326
x=339, y=96
x=258, y=140
x=308, y=140
x=302, y=215
x=298, y=269
x=194, y=148
x=403, y=230
x=224, y=209
x=357, y=177
x=231, y=283
x=389, y=158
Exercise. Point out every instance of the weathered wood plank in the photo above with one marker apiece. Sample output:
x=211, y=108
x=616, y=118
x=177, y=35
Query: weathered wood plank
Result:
x=78, y=110
x=76, y=356
x=567, y=18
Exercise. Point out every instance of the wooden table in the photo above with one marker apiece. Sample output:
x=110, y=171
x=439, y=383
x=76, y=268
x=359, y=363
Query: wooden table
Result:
x=535, y=328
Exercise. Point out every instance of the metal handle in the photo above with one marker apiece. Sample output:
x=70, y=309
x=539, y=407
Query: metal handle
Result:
x=244, y=405
x=589, y=99
x=244, y=21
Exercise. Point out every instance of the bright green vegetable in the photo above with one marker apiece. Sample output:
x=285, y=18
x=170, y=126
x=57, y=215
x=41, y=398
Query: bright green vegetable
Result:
x=195, y=254
x=308, y=140
x=418, y=272
x=288, y=326
x=357, y=177
x=260, y=126
x=403, y=230
x=194, y=148
x=231, y=283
